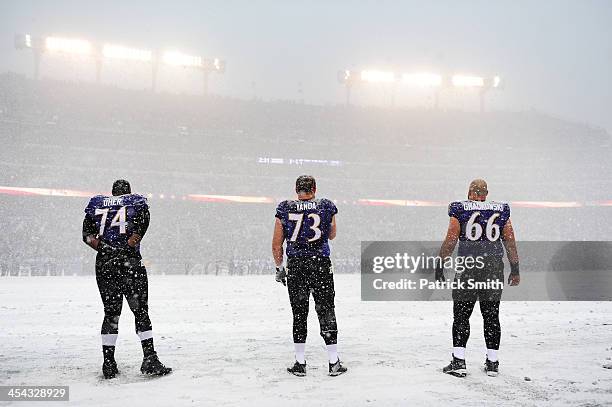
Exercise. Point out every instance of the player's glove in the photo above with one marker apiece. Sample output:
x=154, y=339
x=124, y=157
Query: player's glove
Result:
x=281, y=275
x=440, y=274
x=514, y=278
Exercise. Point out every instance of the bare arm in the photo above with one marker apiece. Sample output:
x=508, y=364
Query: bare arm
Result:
x=141, y=224
x=277, y=243
x=452, y=235
x=332, y=230
x=90, y=233
x=510, y=245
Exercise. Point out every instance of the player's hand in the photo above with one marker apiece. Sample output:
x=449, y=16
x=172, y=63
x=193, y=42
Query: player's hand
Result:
x=514, y=279
x=134, y=240
x=281, y=275
x=107, y=250
x=93, y=242
x=440, y=274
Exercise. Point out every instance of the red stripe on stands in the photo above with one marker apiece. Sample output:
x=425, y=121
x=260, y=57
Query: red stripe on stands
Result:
x=15, y=191
x=381, y=202
x=426, y=203
x=230, y=198
x=398, y=202
x=45, y=192
x=545, y=204
x=267, y=200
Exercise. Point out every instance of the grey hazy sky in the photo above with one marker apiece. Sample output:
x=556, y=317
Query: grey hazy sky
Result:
x=556, y=56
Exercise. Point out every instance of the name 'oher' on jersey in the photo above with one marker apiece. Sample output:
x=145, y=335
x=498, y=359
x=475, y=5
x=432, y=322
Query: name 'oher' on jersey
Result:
x=306, y=226
x=482, y=223
x=116, y=217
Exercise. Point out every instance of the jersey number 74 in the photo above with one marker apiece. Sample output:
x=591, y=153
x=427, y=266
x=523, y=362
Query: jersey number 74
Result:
x=119, y=220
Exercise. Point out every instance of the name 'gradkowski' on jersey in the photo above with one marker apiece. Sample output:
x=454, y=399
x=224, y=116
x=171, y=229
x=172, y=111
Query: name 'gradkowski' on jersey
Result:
x=306, y=226
x=482, y=223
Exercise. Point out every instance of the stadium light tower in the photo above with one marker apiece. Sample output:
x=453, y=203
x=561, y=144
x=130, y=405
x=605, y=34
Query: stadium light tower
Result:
x=348, y=79
x=351, y=78
x=375, y=76
x=100, y=53
x=35, y=44
x=207, y=66
x=39, y=45
x=482, y=84
x=429, y=80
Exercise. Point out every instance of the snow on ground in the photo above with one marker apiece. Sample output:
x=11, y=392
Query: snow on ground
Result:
x=229, y=341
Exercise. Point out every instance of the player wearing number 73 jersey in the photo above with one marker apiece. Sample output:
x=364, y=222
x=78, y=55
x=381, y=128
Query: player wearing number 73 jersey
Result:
x=307, y=224
x=483, y=229
x=114, y=226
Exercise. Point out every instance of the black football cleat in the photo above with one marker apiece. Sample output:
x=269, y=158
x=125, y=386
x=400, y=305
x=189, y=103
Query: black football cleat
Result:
x=491, y=368
x=456, y=368
x=109, y=369
x=152, y=366
x=298, y=369
x=336, y=369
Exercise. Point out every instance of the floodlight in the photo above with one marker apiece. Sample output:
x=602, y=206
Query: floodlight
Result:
x=377, y=76
x=462, y=81
x=68, y=45
x=121, y=52
x=496, y=81
x=23, y=41
x=177, y=58
x=219, y=65
x=345, y=76
x=213, y=65
x=422, y=79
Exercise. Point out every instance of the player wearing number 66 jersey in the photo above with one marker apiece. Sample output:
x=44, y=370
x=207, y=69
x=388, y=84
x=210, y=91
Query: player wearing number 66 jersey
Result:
x=114, y=226
x=483, y=229
x=307, y=224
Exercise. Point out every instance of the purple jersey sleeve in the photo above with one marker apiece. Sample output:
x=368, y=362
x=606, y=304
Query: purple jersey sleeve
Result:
x=333, y=210
x=454, y=210
x=281, y=210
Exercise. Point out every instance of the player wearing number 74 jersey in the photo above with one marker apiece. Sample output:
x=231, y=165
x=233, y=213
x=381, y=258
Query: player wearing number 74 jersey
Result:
x=114, y=226
x=307, y=224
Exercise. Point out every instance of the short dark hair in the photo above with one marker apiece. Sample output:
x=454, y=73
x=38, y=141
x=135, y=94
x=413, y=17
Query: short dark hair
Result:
x=121, y=187
x=306, y=184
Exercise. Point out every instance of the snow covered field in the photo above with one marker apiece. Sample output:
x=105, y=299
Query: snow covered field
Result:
x=229, y=341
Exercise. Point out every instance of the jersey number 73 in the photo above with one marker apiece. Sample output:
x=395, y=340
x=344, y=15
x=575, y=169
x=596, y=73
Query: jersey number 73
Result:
x=299, y=219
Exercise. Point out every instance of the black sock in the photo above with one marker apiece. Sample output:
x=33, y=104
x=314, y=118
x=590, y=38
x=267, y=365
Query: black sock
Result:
x=147, y=347
x=109, y=353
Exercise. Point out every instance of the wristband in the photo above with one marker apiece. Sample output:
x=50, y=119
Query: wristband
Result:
x=514, y=268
